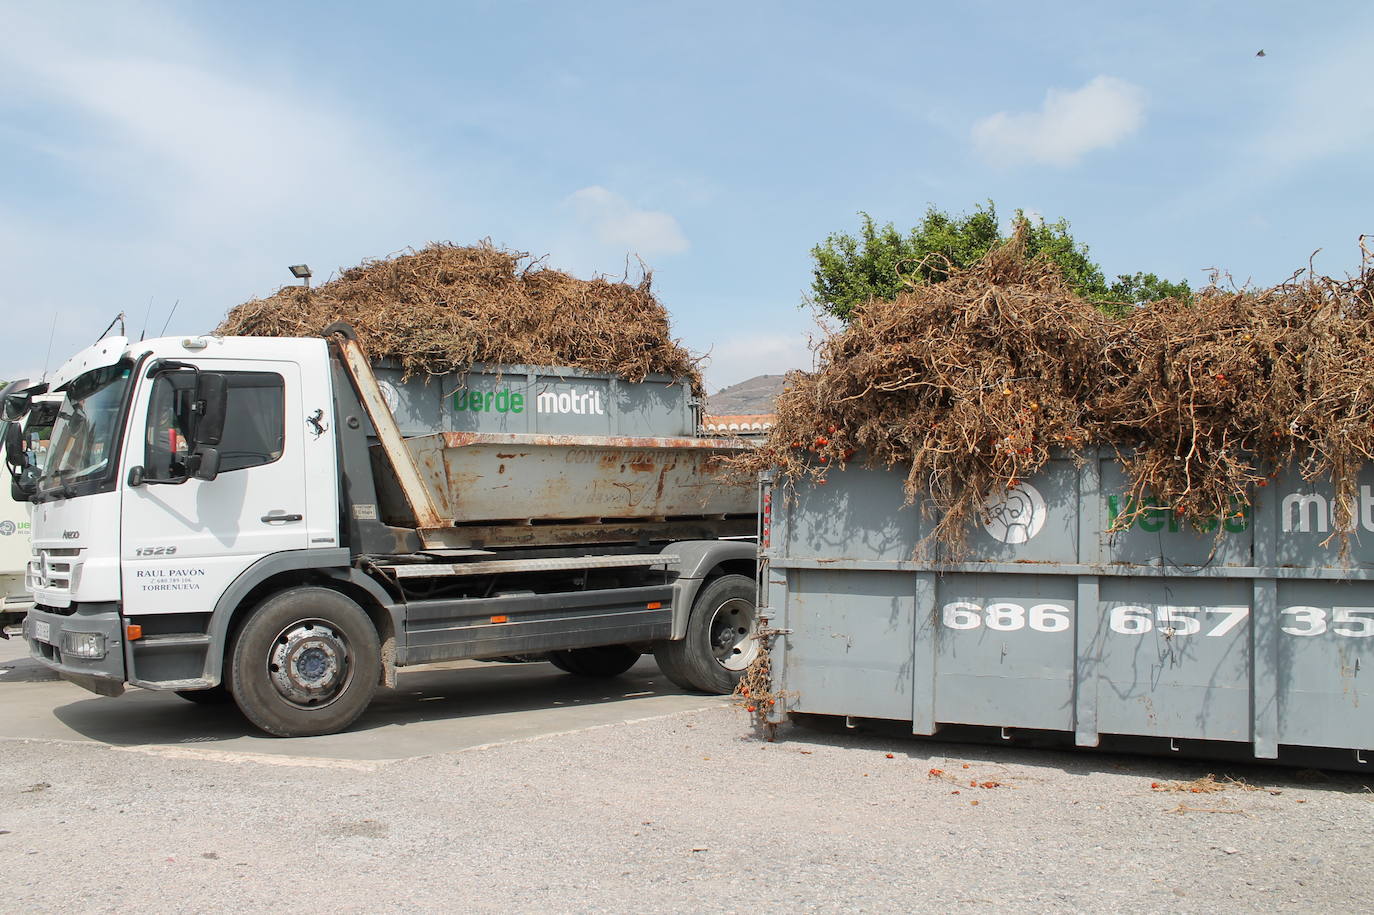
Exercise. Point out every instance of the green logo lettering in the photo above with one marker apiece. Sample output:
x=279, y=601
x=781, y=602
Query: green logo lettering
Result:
x=1154, y=519
x=502, y=400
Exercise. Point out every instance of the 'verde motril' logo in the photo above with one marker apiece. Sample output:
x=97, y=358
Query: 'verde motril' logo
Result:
x=504, y=400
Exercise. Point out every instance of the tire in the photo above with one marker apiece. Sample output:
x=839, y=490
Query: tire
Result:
x=305, y=663
x=215, y=695
x=719, y=644
x=601, y=662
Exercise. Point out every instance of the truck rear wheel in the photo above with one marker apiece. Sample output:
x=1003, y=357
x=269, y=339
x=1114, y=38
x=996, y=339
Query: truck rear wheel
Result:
x=602, y=661
x=305, y=663
x=720, y=643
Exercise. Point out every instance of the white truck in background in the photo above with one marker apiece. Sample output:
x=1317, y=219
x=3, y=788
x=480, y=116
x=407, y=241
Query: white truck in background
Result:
x=15, y=549
x=268, y=521
x=14, y=560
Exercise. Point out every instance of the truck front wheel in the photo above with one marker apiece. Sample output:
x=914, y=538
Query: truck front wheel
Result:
x=305, y=663
x=720, y=643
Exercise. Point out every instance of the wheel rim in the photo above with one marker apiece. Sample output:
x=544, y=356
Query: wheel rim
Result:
x=309, y=664
x=732, y=634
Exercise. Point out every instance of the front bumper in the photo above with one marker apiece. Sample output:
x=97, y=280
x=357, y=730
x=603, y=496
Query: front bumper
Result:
x=45, y=631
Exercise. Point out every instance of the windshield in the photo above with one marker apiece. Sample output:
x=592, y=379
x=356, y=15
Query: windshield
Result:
x=86, y=433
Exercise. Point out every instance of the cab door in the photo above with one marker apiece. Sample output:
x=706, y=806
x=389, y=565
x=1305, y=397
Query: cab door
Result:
x=184, y=540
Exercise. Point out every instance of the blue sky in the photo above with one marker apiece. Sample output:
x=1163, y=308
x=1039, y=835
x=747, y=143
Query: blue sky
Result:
x=191, y=151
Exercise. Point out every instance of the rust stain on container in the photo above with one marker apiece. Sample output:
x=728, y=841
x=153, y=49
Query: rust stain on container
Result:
x=565, y=478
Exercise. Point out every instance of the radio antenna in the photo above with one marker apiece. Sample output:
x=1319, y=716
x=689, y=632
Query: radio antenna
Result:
x=147, y=314
x=169, y=317
x=51, y=333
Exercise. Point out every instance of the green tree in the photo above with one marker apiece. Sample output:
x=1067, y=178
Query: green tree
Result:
x=1146, y=287
x=880, y=262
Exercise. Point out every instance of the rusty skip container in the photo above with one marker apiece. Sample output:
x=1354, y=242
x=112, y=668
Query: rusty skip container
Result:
x=1053, y=622
x=485, y=477
x=510, y=489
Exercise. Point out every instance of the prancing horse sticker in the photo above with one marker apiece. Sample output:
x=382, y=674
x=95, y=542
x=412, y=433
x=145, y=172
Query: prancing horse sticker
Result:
x=1016, y=515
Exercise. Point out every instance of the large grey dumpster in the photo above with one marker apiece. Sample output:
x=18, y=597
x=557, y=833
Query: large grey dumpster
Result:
x=1052, y=622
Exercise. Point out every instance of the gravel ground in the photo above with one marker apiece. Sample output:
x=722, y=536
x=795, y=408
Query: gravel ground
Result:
x=690, y=812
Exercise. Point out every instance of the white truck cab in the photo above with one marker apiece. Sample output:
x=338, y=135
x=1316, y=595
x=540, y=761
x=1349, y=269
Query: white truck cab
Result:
x=123, y=527
x=161, y=539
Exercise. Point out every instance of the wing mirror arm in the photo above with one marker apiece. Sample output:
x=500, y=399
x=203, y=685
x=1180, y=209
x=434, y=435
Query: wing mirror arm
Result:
x=207, y=427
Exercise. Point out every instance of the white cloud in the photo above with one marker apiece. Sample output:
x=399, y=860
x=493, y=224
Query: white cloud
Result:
x=617, y=222
x=183, y=174
x=205, y=146
x=1070, y=124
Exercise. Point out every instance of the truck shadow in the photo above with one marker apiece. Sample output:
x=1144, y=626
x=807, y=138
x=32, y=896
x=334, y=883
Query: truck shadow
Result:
x=470, y=696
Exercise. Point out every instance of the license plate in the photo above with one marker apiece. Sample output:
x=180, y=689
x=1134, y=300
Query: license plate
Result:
x=42, y=631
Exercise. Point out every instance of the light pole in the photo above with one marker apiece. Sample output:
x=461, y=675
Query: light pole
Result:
x=301, y=272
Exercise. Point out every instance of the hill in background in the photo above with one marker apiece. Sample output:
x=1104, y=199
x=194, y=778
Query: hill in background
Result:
x=754, y=396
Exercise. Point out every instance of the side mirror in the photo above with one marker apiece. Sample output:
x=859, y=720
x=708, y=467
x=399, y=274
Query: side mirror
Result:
x=15, y=453
x=16, y=403
x=212, y=400
x=205, y=463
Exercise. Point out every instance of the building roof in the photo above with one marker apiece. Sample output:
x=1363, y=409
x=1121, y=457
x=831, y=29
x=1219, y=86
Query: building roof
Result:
x=739, y=423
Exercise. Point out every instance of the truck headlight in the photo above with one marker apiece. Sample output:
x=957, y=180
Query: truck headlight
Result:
x=90, y=645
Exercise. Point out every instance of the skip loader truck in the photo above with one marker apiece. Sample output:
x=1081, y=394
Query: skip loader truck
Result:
x=282, y=523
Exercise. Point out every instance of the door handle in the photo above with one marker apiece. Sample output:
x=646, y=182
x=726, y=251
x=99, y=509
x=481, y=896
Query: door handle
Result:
x=278, y=515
